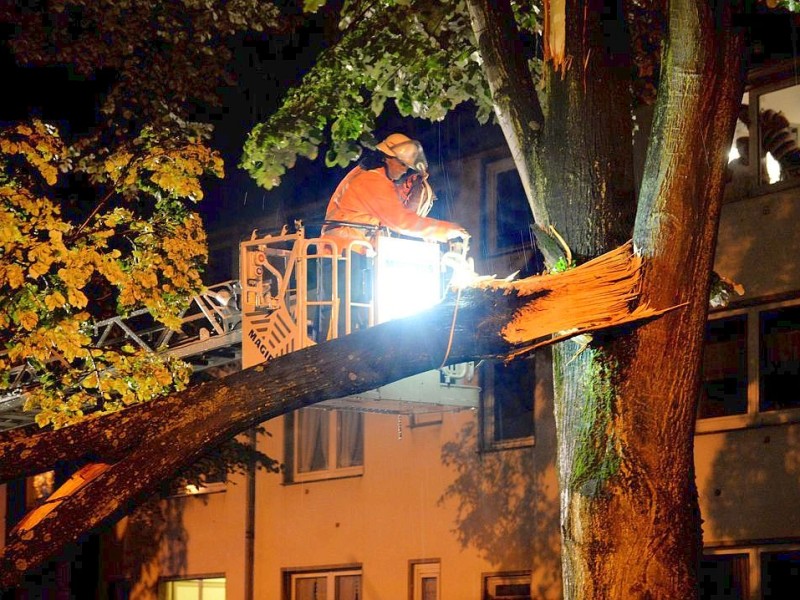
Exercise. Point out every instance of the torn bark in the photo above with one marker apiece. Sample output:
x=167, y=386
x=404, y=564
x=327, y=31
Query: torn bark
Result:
x=146, y=444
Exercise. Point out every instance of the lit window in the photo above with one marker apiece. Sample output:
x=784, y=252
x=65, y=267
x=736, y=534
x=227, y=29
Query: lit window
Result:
x=740, y=174
x=507, y=586
x=751, y=367
x=211, y=484
x=38, y=488
x=778, y=121
x=327, y=443
x=344, y=584
x=507, y=403
x=766, y=146
x=767, y=128
x=209, y=588
x=425, y=580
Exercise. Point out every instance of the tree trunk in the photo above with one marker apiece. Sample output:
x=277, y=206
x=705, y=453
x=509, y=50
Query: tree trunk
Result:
x=625, y=409
x=584, y=162
x=136, y=450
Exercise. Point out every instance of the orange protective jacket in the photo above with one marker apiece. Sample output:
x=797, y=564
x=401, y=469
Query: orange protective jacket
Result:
x=371, y=198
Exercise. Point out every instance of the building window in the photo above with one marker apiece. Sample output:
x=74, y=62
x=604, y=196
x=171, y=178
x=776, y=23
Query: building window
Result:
x=507, y=586
x=780, y=574
x=207, y=588
x=778, y=120
x=38, y=488
x=751, y=367
x=507, y=402
x=779, y=358
x=741, y=172
x=340, y=584
x=724, y=577
x=326, y=443
x=724, y=368
x=119, y=589
x=763, y=572
x=767, y=128
x=424, y=578
x=508, y=215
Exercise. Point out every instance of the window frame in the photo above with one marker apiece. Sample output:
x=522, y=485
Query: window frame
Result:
x=754, y=552
x=38, y=488
x=492, y=169
x=208, y=487
x=292, y=475
x=490, y=581
x=759, y=187
x=212, y=487
x=419, y=569
x=486, y=414
x=165, y=581
x=290, y=575
x=753, y=417
x=762, y=81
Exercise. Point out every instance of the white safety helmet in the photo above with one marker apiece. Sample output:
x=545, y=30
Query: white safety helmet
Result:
x=407, y=151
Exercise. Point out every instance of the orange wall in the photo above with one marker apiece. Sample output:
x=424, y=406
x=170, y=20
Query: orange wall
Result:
x=748, y=474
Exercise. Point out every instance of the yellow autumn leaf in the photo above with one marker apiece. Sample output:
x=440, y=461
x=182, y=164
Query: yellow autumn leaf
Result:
x=77, y=298
x=28, y=319
x=54, y=300
x=74, y=277
x=171, y=321
x=91, y=381
x=14, y=275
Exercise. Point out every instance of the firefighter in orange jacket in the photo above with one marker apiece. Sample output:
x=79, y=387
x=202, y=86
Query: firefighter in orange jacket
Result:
x=372, y=195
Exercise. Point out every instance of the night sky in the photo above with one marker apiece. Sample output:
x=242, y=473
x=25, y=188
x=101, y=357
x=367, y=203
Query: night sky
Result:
x=265, y=67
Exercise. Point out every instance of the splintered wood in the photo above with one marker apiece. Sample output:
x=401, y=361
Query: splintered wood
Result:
x=598, y=294
x=555, y=34
x=79, y=479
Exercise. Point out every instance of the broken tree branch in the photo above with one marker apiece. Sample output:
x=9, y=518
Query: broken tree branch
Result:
x=145, y=445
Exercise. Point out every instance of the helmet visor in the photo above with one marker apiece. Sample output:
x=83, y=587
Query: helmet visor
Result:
x=411, y=154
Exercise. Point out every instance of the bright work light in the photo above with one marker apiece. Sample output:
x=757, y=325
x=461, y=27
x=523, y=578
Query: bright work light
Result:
x=408, y=277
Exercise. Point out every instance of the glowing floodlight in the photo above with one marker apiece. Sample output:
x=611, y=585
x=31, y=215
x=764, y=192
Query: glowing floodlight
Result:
x=408, y=277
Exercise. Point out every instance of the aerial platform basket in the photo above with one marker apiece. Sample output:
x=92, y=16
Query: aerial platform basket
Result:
x=283, y=295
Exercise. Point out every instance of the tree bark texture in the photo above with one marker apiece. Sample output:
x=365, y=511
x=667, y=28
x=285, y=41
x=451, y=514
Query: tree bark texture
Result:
x=584, y=159
x=132, y=452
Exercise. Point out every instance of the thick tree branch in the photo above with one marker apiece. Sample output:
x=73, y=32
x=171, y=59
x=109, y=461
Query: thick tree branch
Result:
x=143, y=446
x=506, y=69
